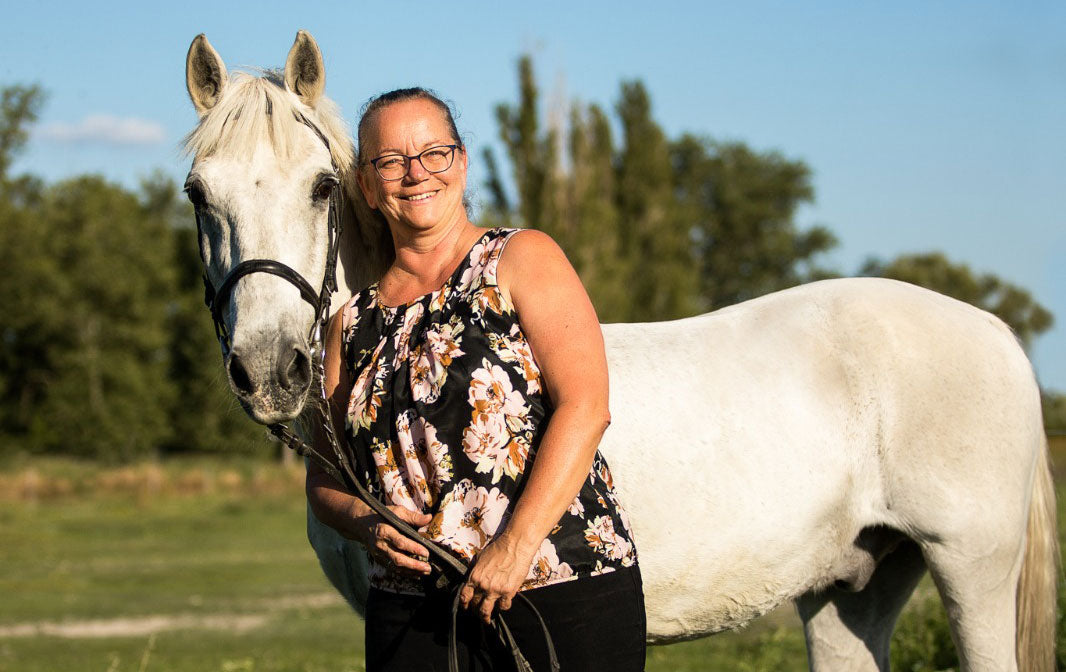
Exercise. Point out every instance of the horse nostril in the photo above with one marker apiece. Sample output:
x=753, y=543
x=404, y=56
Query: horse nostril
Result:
x=238, y=375
x=296, y=374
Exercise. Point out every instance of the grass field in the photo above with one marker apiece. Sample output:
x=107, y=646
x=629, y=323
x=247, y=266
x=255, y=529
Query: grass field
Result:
x=205, y=567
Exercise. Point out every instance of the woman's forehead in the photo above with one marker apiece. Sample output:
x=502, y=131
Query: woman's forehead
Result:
x=408, y=122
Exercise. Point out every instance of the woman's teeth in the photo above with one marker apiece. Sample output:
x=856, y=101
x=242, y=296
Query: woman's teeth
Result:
x=419, y=197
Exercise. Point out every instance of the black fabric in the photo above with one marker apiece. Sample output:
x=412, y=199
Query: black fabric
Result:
x=598, y=623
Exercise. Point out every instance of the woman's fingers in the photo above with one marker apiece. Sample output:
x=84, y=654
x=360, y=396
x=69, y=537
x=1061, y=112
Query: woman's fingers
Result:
x=393, y=548
x=466, y=595
x=485, y=608
x=483, y=602
x=485, y=593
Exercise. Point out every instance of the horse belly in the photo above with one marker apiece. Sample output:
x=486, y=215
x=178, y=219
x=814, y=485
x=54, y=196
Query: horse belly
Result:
x=734, y=454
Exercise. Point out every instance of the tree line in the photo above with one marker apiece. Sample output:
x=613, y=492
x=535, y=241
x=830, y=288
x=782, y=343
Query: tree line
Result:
x=106, y=350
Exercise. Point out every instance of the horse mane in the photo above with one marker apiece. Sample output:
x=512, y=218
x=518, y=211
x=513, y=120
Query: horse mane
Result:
x=257, y=109
x=254, y=109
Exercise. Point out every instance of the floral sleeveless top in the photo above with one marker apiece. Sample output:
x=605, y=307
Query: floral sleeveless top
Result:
x=446, y=413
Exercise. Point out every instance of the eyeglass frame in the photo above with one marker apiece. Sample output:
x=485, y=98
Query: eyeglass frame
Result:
x=409, y=159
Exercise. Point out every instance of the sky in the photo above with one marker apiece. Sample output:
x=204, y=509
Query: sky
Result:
x=928, y=126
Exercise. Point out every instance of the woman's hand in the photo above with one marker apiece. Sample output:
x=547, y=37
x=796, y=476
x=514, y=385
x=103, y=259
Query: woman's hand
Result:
x=498, y=573
x=387, y=546
x=350, y=516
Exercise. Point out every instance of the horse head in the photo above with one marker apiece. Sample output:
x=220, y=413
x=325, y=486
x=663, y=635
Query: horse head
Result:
x=268, y=154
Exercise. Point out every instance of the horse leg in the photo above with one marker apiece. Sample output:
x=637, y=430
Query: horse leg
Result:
x=978, y=587
x=848, y=627
x=976, y=550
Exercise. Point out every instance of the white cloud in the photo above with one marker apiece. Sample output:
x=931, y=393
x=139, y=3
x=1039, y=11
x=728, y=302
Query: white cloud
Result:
x=103, y=129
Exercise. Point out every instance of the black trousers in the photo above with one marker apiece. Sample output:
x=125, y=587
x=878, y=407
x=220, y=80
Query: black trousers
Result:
x=597, y=623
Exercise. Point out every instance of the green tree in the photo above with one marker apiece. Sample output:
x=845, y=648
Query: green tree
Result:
x=743, y=205
x=656, y=236
x=532, y=154
x=19, y=107
x=106, y=349
x=1012, y=304
x=656, y=229
x=85, y=350
x=1054, y=411
x=577, y=208
x=594, y=243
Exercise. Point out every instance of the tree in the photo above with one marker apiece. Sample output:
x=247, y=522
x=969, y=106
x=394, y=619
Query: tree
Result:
x=594, y=245
x=532, y=156
x=106, y=349
x=1010, y=303
x=655, y=234
x=85, y=351
x=578, y=209
x=1054, y=411
x=743, y=205
x=656, y=229
x=19, y=107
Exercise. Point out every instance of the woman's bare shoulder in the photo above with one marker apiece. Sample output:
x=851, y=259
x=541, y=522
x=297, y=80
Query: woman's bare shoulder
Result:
x=529, y=254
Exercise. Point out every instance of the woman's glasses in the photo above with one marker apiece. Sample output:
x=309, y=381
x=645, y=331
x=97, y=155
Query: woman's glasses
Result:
x=393, y=167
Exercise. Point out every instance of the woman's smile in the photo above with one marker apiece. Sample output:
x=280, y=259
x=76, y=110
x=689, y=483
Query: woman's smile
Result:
x=420, y=197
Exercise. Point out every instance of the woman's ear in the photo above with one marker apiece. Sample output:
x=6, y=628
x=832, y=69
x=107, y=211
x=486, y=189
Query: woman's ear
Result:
x=368, y=187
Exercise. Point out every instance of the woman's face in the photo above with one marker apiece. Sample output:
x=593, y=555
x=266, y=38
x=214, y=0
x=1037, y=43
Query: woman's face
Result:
x=420, y=200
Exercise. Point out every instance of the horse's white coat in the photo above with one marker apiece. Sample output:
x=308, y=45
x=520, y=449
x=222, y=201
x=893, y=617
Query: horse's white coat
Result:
x=756, y=446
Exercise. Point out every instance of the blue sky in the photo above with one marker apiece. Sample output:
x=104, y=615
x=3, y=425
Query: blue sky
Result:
x=927, y=125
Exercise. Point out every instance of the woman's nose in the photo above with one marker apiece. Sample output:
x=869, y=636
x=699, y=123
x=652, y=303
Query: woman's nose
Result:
x=416, y=172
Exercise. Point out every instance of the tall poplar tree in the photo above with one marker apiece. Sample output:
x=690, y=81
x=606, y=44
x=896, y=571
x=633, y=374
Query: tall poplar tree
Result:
x=655, y=238
x=656, y=229
x=594, y=245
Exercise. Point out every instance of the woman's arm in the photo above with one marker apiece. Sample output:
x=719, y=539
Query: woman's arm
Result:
x=332, y=504
x=560, y=324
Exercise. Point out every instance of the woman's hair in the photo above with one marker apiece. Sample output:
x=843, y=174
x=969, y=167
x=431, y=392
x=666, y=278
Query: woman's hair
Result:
x=378, y=103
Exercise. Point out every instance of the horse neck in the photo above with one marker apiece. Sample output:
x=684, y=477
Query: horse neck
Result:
x=365, y=250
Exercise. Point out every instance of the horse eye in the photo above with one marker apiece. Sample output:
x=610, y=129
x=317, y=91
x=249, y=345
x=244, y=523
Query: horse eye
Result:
x=323, y=189
x=195, y=192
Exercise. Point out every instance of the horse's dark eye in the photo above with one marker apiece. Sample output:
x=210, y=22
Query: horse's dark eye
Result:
x=323, y=188
x=195, y=192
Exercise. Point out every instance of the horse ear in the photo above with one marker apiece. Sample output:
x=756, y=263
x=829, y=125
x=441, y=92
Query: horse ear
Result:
x=305, y=75
x=205, y=74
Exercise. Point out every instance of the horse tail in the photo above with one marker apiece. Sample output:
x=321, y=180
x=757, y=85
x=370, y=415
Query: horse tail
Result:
x=1038, y=583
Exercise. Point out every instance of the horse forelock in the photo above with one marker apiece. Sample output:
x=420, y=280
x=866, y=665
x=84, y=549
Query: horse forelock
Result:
x=258, y=109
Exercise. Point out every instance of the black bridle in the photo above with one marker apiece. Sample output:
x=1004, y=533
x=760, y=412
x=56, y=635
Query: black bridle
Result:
x=452, y=572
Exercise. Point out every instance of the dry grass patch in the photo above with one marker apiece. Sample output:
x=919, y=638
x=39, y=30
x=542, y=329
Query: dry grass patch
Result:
x=56, y=479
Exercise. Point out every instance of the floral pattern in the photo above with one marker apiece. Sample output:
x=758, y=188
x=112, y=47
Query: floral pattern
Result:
x=445, y=414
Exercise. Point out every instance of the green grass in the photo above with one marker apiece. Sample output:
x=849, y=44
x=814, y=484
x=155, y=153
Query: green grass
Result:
x=75, y=559
x=241, y=551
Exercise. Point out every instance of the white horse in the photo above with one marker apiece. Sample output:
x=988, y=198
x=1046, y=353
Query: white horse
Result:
x=826, y=444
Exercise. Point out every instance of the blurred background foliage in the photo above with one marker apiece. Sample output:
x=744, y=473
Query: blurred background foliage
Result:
x=106, y=350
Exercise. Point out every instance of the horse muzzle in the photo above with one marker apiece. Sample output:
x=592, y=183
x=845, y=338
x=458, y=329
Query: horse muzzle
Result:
x=270, y=382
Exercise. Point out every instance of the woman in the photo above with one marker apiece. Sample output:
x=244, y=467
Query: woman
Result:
x=472, y=385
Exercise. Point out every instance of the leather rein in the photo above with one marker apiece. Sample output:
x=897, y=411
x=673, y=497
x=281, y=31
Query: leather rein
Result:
x=451, y=572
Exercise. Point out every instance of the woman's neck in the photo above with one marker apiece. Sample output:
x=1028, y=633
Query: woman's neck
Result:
x=425, y=259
